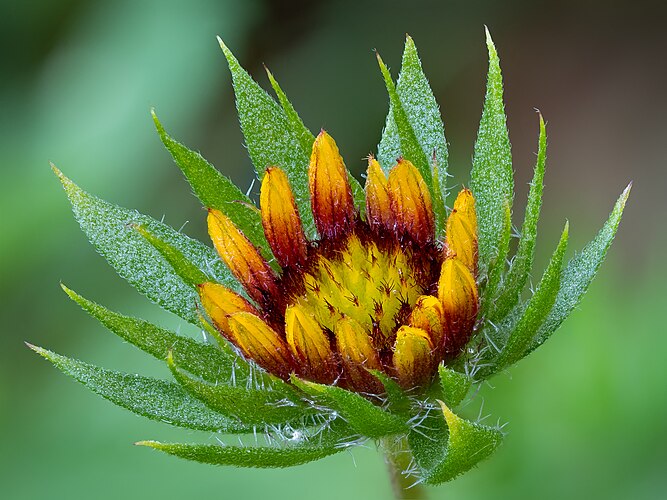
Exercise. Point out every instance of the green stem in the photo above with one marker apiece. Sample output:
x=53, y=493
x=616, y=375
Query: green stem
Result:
x=398, y=458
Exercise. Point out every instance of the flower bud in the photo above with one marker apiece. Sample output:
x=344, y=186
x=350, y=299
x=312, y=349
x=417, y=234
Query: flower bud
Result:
x=462, y=230
x=280, y=219
x=413, y=357
x=357, y=355
x=457, y=292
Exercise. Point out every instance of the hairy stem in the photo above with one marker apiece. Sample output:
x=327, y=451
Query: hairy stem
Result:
x=398, y=458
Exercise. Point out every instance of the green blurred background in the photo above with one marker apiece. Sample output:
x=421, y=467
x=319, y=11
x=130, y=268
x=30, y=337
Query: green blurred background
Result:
x=587, y=413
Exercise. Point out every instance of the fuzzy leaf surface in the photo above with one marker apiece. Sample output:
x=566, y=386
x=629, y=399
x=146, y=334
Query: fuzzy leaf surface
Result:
x=523, y=260
x=206, y=361
x=468, y=443
x=492, y=181
x=152, y=398
x=423, y=115
x=537, y=309
x=249, y=405
x=361, y=415
x=111, y=230
x=454, y=385
x=247, y=456
x=215, y=190
x=579, y=273
x=270, y=138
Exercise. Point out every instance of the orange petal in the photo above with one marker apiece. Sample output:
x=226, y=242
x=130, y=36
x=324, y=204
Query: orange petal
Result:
x=310, y=346
x=411, y=203
x=220, y=302
x=261, y=343
x=242, y=258
x=413, y=357
x=457, y=292
x=280, y=219
x=357, y=354
x=378, y=203
x=330, y=192
x=462, y=230
x=428, y=316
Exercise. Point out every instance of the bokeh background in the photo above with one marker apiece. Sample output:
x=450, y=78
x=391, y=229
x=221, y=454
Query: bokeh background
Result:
x=587, y=413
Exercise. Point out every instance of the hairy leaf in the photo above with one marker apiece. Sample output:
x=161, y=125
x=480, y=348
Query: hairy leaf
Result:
x=276, y=403
x=361, y=415
x=409, y=144
x=423, y=114
x=491, y=178
x=579, y=273
x=247, y=456
x=270, y=138
x=522, y=263
x=468, y=443
x=152, y=398
x=110, y=229
x=215, y=190
x=455, y=385
x=204, y=360
x=537, y=310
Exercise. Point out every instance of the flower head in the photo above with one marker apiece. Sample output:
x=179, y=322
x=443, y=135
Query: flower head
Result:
x=373, y=292
x=341, y=313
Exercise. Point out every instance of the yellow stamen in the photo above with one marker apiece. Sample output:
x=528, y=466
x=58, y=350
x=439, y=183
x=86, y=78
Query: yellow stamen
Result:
x=357, y=354
x=281, y=221
x=378, y=202
x=309, y=345
x=330, y=192
x=220, y=302
x=242, y=258
x=462, y=230
x=413, y=357
x=411, y=203
x=261, y=343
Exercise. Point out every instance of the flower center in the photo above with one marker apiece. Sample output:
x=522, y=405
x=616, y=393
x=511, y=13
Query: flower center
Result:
x=376, y=287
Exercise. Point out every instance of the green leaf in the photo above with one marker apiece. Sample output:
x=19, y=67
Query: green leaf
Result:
x=110, y=229
x=468, y=443
x=252, y=406
x=579, y=273
x=492, y=181
x=270, y=138
x=215, y=190
x=423, y=114
x=247, y=456
x=306, y=139
x=204, y=360
x=409, y=144
x=537, y=310
x=361, y=415
x=455, y=385
x=190, y=273
x=152, y=398
x=398, y=401
x=522, y=263
x=495, y=275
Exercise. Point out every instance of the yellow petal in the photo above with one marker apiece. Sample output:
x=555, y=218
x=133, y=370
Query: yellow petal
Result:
x=411, y=203
x=280, y=219
x=309, y=345
x=378, y=203
x=462, y=230
x=261, y=343
x=330, y=192
x=220, y=302
x=413, y=357
x=357, y=354
x=457, y=292
x=242, y=258
x=428, y=316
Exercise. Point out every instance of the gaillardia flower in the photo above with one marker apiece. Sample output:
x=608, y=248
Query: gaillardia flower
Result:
x=377, y=292
x=337, y=313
